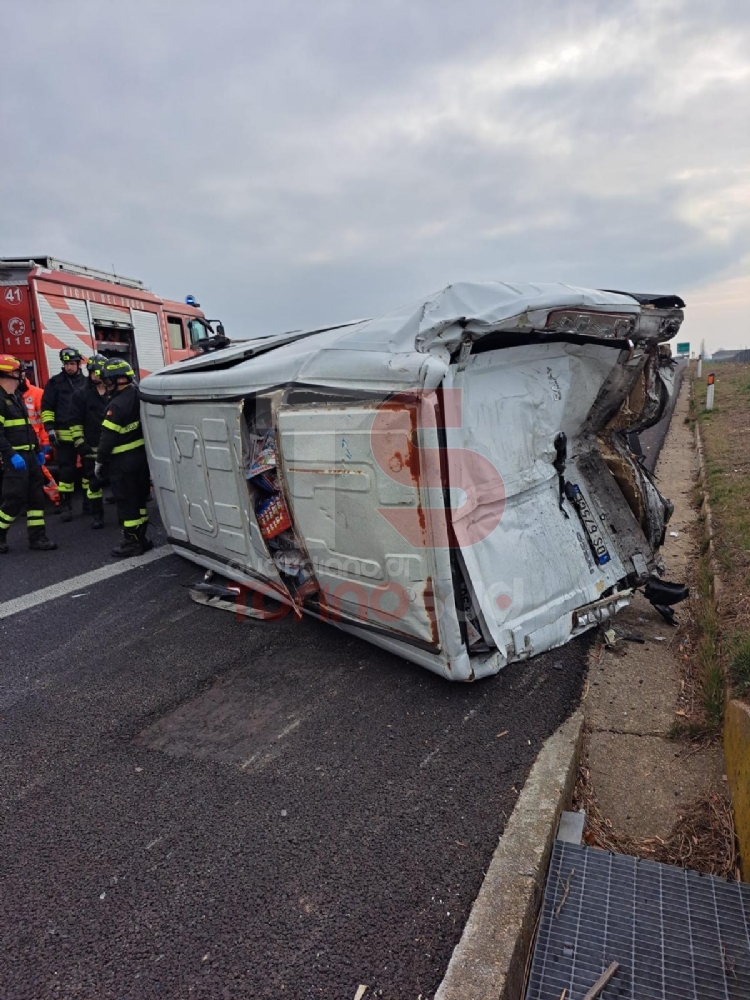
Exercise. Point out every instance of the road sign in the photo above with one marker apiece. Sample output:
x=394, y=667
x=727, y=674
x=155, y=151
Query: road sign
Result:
x=683, y=349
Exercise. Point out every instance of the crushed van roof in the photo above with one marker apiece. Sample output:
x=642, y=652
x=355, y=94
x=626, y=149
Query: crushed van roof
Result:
x=386, y=350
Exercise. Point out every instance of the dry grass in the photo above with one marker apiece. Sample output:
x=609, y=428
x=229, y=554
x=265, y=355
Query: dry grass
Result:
x=703, y=838
x=716, y=643
x=726, y=438
x=698, y=649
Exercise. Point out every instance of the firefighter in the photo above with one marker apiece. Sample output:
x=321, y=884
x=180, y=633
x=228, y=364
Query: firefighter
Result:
x=122, y=448
x=32, y=396
x=57, y=417
x=22, y=458
x=89, y=406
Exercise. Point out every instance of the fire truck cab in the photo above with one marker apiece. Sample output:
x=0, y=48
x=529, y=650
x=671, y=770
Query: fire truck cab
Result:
x=47, y=304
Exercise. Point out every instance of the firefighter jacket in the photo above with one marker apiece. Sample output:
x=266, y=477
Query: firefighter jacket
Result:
x=89, y=407
x=16, y=432
x=121, y=427
x=57, y=403
x=32, y=396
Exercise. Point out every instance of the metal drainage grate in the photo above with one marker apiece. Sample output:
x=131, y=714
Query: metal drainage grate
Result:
x=676, y=935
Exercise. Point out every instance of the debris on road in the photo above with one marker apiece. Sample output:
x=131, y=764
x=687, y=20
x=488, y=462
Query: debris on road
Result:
x=602, y=981
x=566, y=892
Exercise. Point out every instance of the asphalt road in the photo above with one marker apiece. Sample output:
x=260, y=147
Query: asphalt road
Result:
x=80, y=550
x=198, y=807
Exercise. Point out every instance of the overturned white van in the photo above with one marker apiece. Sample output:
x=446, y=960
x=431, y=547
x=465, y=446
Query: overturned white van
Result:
x=456, y=481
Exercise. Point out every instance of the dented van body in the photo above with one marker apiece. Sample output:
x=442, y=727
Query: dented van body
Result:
x=456, y=481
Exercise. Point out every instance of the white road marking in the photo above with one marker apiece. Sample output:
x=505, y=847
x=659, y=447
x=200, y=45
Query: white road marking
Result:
x=77, y=583
x=270, y=751
x=288, y=729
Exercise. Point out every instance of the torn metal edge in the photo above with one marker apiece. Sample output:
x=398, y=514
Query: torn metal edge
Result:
x=488, y=963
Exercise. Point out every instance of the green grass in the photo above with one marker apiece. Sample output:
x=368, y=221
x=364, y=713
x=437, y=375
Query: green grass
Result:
x=682, y=729
x=725, y=432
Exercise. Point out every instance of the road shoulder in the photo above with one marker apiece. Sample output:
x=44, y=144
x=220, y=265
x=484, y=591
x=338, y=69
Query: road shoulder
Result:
x=489, y=959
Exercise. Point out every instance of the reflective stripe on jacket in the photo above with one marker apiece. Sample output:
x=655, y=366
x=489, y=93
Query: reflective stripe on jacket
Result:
x=16, y=432
x=121, y=427
x=57, y=402
x=89, y=408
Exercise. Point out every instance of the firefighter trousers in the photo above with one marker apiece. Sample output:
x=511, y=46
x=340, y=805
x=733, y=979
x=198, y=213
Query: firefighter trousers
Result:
x=129, y=478
x=23, y=488
x=66, y=455
x=92, y=485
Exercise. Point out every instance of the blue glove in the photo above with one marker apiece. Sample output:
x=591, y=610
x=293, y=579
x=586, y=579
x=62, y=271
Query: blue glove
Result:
x=17, y=462
x=41, y=457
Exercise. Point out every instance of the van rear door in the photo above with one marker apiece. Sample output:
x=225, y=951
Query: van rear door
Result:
x=195, y=455
x=354, y=481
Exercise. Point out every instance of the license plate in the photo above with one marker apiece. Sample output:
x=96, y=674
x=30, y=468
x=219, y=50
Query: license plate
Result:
x=596, y=541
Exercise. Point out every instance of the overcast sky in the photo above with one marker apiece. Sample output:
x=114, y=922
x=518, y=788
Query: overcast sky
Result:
x=292, y=163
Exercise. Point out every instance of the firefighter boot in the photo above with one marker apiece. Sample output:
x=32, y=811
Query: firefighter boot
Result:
x=66, y=507
x=3, y=542
x=145, y=543
x=97, y=509
x=38, y=541
x=129, y=546
x=87, y=506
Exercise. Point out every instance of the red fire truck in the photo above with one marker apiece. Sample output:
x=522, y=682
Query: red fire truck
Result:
x=47, y=304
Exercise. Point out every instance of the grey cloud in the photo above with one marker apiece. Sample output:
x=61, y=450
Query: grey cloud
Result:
x=294, y=163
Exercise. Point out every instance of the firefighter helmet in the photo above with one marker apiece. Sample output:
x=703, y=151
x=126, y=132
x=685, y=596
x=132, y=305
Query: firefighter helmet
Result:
x=70, y=354
x=114, y=369
x=10, y=367
x=95, y=363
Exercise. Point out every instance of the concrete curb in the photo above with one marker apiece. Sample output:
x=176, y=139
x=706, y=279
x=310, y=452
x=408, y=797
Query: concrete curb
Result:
x=488, y=963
